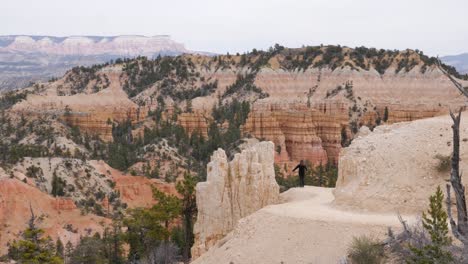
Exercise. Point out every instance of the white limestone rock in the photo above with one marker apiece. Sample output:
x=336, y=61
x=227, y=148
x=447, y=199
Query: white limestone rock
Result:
x=232, y=191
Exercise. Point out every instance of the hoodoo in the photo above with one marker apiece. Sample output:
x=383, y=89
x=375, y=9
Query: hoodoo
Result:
x=233, y=190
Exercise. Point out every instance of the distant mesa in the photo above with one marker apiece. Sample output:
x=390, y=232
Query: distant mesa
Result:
x=125, y=45
x=460, y=62
x=26, y=58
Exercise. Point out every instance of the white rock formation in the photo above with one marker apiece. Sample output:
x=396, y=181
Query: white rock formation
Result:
x=393, y=169
x=232, y=191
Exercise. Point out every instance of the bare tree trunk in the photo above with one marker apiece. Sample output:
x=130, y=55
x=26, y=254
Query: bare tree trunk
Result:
x=459, y=228
x=166, y=244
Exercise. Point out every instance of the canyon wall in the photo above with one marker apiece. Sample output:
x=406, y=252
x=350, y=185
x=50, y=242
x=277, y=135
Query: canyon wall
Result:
x=192, y=122
x=90, y=112
x=233, y=190
x=307, y=114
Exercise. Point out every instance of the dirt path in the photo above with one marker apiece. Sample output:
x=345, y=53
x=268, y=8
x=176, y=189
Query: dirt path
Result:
x=306, y=228
x=315, y=203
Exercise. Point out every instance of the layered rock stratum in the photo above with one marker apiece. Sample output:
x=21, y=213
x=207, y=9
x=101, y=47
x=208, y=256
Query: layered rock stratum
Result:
x=233, y=190
x=309, y=112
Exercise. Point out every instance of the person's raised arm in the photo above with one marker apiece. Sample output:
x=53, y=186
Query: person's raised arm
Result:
x=297, y=167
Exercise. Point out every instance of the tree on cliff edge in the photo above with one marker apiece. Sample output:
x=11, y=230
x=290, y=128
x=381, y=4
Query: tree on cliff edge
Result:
x=459, y=228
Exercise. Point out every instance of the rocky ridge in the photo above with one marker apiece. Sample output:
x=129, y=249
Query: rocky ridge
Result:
x=308, y=111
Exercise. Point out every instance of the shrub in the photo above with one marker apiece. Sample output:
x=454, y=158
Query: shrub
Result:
x=365, y=250
x=443, y=162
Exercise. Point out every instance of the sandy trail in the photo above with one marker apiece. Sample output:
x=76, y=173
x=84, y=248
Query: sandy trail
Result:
x=306, y=228
x=315, y=203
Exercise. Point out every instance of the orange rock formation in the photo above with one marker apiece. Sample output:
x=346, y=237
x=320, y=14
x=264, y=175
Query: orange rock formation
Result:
x=16, y=198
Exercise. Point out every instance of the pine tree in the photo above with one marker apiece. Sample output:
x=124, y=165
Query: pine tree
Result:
x=189, y=209
x=33, y=247
x=385, y=115
x=435, y=223
x=68, y=251
x=149, y=227
x=57, y=186
x=59, y=249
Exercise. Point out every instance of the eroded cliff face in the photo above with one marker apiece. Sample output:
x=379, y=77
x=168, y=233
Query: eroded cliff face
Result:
x=192, y=122
x=233, y=190
x=394, y=168
x=309, y=113
x=92, y=112
x=299, y=132
x=61, y=219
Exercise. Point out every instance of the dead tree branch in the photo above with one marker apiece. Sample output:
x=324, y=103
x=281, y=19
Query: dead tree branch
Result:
x=459, y=228
x=458, y=85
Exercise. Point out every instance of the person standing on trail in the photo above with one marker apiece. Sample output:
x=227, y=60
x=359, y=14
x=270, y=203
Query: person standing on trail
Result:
x=302, y=168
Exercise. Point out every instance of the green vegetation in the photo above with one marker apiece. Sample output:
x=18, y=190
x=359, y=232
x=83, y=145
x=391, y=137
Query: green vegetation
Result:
x=33, y=247
x=58, y=185
x=125, y=150
x=435, y=223
x=300, y=59
x=8, y=99
x=170, y=73
x=385, y=116
x=366, y=250
x=97, y=249
x=151, y=228
x=188, y=211
x=443, y=162
x=244, y=85
x=122, y=151
x=149, y=232
x=79, y=77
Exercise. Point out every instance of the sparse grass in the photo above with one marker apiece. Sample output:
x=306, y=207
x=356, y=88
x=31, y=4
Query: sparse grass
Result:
x=365, y=250
x=443, y=163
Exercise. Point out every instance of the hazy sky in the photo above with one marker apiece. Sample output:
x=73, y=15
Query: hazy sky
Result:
x=436, y=27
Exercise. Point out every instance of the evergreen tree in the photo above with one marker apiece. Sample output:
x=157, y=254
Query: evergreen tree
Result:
x=33, y=247
x=189, y=209
x=435, y=223
x=59, y=249
x=91, y=249
x=385, y=115
x=68, y=251
x=148, y=228
x=57, y=186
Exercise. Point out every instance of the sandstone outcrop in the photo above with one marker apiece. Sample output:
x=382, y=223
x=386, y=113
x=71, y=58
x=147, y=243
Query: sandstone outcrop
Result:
x=299, y=132
x=393, y=169
x=233, y=190
x=192, y=122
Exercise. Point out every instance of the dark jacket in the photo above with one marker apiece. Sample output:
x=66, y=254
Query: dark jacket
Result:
x=302, y=169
